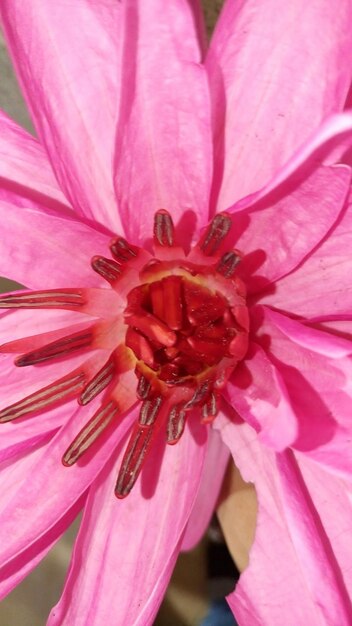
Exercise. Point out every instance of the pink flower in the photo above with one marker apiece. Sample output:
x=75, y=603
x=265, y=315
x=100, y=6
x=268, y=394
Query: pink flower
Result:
x=131, y=121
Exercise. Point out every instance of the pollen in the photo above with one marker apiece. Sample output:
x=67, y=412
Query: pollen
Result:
x=168, y=333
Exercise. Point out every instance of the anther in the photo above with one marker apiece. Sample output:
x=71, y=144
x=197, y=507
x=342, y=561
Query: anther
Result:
x=90, y=432
x=210, y=409
x=149, y=411
x=56, y=393
x=199, y=395
x=143, y=388
x=52, y=299
x=122, y=250
x=107, y=268
x=175, y=424
x=215, y=233
x=228, y=264
x=56, y=349
x=98, y=383
x=134, y=457
x=163, y=228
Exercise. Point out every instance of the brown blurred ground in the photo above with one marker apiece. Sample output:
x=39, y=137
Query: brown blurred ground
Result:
x=30, y=603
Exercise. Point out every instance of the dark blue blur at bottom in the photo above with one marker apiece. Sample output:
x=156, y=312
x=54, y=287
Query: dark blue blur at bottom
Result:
x=219, y=614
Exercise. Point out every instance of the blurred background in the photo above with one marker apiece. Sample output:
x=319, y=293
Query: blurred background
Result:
x=204, y=573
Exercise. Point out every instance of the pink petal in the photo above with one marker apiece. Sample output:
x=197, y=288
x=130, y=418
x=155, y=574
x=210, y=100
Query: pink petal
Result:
x=257, y=392
x=136, y=539
x=328, y=144
x=321, y=286
x=318, y=386
x=46, y=255
x=22, y=434
x=12, y=574
x=299, y=570
x=262, y=63
x=24, y=165
x=23, y=525
x=66, y=57
x=212, y=478
x=297, y=216
x=163, y=156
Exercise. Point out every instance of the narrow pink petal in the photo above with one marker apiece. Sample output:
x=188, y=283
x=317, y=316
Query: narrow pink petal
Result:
x=321, y=286
x=318, y=386
x=24, y=165
x=22, y=525
x=22, y=434
x=215, y=464
x=66, y=57
x=136, y=539
x=46, y=255
x=17, y=324
x=328, y=144
x=262, y=62
x=299, y=571
x=12, y=574
x=163, y=150
x=311, y=339
x=258, y=393
x=280, y=231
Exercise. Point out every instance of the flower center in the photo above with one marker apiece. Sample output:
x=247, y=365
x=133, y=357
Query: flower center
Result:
x=180, y=332
x=183, y=334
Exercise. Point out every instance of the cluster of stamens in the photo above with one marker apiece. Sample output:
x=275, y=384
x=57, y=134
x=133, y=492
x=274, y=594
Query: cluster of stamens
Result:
x=179, y=329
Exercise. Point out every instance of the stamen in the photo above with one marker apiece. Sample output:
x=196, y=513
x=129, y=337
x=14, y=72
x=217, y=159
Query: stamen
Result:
x=122, y=250
x=163, y=228
x=56, y=393
x=172, y=294
x=107, y=268
x=134, y=457
x=51, y=299
x=199, y=395
x=149, y=411
x=215, y=233
x=140, y=346
x=99, y=382
x=91, y=431
x=60, y=348
x=152, y=328
x=228, y=263
x=176, y=424
x=210, y=409
x=143, y=388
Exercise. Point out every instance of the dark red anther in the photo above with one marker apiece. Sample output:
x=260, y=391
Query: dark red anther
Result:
x=90, y=432
x=157, y=299
x=228, y=263
x=98, y=383
x=57, y=349
x=172, y=293
x=153, y=328
x=122, y=250
x=107, y=268
x=149, y=411
x=134, y=457
x=175, y=424
x=140, y=346
x=163, y=228
x=202, y=307
x=56, y=393
x=199, y=395
x=215, y=233
x=210, y=409
x=51, y=299
x=143, y=388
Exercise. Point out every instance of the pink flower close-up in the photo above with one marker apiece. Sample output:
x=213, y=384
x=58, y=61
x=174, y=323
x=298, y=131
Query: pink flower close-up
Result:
x=182, y=226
